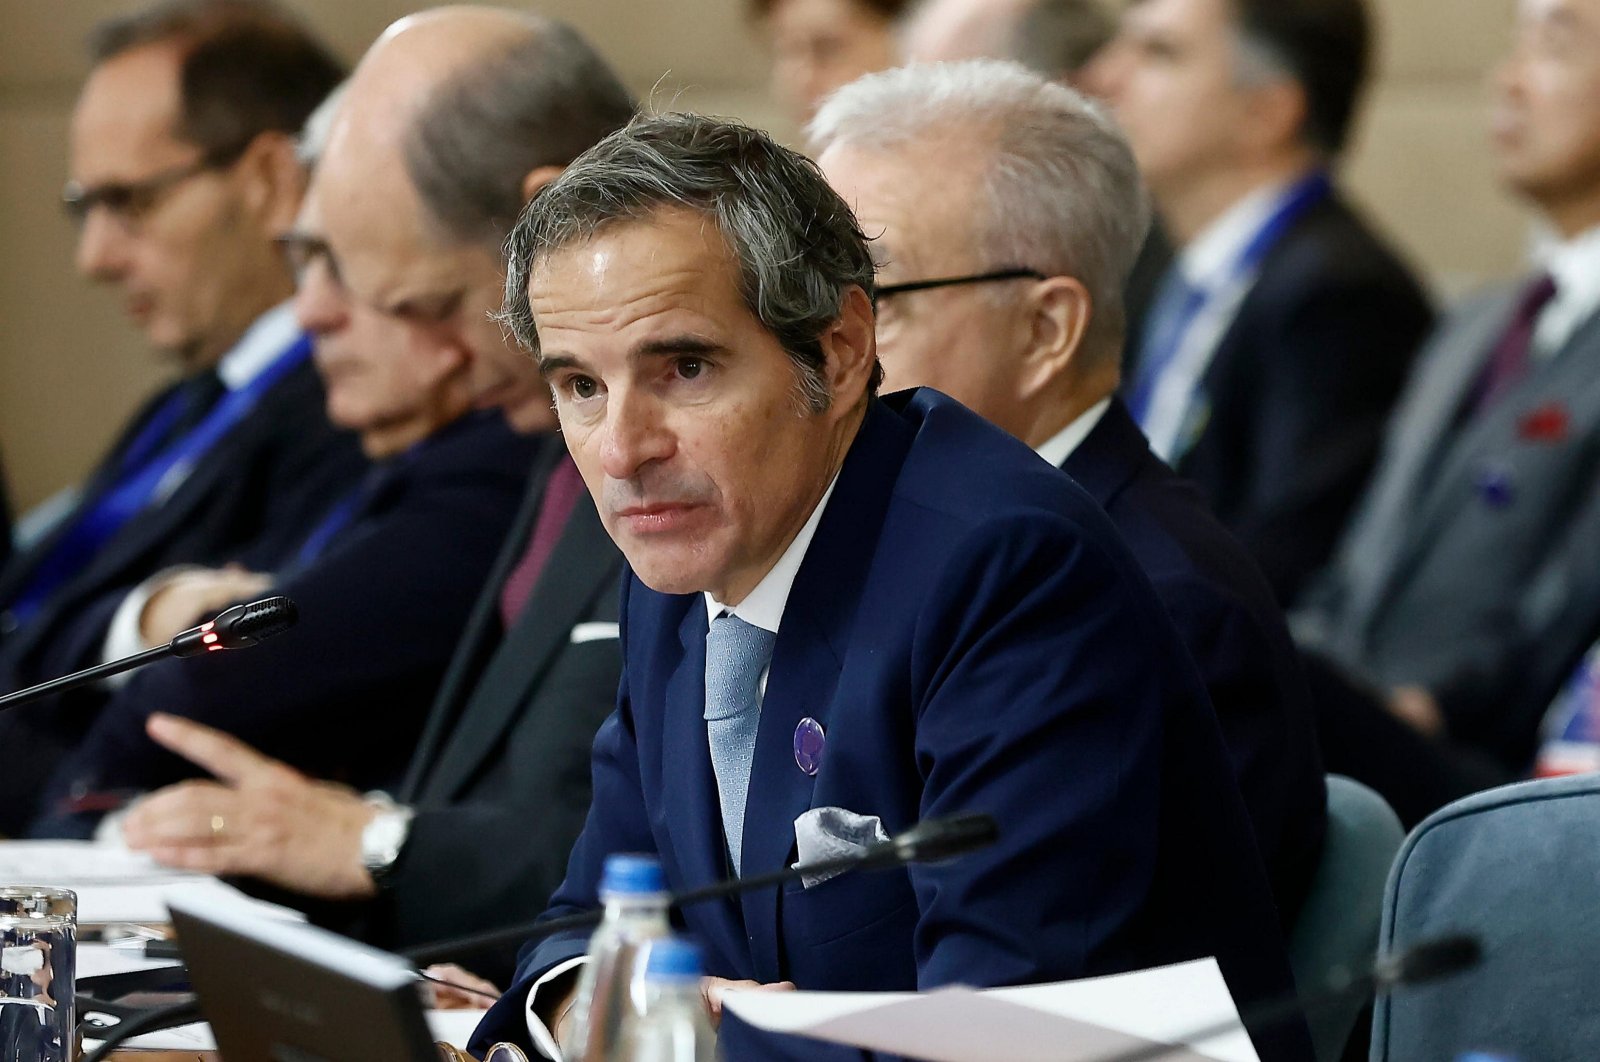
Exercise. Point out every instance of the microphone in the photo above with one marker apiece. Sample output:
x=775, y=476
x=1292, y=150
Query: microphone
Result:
x=929, y=841
x=1427, y=960
x=238, y=628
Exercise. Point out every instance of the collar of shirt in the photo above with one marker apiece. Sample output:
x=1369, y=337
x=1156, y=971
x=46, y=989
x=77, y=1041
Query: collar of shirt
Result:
x=763, y=607
x=270, y=335
x=1575, y=267
x=1060, y=446
x=1209, y=259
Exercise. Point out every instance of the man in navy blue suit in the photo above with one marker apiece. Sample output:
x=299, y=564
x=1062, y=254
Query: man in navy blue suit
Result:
x=1038, y=351
x=886, y=608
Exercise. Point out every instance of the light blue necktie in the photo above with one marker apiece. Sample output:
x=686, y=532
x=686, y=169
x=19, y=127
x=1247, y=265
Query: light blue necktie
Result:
x=736, y=654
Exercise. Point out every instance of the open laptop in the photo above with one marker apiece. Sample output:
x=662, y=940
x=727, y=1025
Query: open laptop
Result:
x=281, y=992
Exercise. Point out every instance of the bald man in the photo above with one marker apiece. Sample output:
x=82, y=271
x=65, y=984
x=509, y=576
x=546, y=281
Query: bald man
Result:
x=417, y=186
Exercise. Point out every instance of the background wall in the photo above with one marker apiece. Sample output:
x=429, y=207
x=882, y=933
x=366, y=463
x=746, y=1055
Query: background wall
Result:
x=71, y=368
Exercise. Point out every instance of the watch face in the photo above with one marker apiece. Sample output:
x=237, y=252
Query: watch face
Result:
x=383, y=837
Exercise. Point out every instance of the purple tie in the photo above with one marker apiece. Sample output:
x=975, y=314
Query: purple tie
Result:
x=1508, y=362
x=560, y=495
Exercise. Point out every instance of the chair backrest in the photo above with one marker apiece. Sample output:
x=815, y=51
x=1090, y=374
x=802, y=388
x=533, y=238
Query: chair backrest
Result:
x=1336, y=933
x=1519, y=868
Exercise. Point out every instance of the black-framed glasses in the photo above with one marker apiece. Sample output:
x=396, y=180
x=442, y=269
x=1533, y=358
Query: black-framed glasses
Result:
x=887, y=290
x=130, y=202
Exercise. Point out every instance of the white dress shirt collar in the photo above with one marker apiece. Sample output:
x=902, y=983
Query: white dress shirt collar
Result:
x=259, y=347
x=763, y=607
x=1574, y=265
x=1209, y=259
x=1061, y=445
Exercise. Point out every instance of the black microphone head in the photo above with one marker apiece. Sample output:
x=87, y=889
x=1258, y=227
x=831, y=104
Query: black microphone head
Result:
x=246, y=625
x=1429, y=961
x=934, y=839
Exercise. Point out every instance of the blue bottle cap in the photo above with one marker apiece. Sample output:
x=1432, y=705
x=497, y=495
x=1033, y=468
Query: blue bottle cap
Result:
x=634, y=875
x=1483, y=1056
x=672, y=959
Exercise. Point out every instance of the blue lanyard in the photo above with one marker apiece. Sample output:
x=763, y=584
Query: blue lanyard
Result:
x=98, y=521
x=1300, y=198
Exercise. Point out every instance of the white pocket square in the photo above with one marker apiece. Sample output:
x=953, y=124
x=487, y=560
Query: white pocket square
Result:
x=594, y=632
x=830, y=833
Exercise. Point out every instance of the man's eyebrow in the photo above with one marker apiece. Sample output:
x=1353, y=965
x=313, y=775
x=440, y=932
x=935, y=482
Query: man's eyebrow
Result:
x=671, y=347
x=674, y=346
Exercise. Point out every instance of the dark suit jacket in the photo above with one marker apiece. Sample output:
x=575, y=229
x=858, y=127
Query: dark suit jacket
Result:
x=500, y=779
x=259, y=488
x=1292, y=409
x=1225, y=613
x=343, y=694
x=972, y=634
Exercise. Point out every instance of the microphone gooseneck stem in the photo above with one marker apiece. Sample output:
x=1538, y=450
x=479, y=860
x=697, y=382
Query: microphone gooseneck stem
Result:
x=929, y=842
x=429, y=953
x=84, y=677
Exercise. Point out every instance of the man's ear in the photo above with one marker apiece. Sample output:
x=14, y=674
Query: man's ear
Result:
x=850, y=346
x=1277, y=113
x=274, y=181
x=1058, y=314
x=536, y=179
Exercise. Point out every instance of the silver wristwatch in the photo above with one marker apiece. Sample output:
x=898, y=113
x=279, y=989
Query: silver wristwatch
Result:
x=384, y=836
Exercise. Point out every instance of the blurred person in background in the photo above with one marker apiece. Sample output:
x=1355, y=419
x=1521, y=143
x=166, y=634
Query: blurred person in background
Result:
x=183, y=172
x=1021, y=203
x=818, y=45
x=1268, y=363
x=498, y=785
x=1468, y=587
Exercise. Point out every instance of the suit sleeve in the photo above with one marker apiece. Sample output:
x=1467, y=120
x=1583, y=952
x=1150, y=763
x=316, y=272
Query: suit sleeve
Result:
x=1333, y=362
x=1038, y=640
x=343, y=693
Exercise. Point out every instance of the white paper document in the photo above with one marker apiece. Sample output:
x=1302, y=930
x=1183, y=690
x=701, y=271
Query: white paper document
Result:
x=450, y=1026
x=116, y=885
x=1070, y=1021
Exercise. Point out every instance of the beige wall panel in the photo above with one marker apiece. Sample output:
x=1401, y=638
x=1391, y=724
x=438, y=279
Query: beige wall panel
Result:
x=1442, y=39
x=1424, y=170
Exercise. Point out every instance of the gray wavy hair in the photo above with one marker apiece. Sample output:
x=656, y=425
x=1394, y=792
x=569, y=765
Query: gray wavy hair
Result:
x=797, y=246
x=1061, y=192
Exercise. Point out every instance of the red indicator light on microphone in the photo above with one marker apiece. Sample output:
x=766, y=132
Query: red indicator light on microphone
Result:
x=208, y=626
x=209, y=639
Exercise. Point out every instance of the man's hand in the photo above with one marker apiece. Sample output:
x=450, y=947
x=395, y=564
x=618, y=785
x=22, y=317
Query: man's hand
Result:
x=1417, y=708
x=260, y=819
x=193, y=596
x=712, y=989
x=463, y=990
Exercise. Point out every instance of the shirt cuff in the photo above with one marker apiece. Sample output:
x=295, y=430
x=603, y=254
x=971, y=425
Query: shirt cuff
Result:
x=543, y=1037
x=123, y=637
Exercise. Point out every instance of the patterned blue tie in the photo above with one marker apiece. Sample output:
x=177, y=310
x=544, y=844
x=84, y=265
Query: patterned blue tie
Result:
x=736, y=654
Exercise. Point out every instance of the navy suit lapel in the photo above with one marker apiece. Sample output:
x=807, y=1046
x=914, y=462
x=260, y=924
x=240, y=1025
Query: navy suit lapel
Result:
x=579, y=569
x=482, y=635
x=689, y=811
x=1110, y=456
x=806, y=663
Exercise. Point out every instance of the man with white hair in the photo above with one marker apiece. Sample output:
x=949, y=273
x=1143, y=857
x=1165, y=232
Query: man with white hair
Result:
x=1015, y=309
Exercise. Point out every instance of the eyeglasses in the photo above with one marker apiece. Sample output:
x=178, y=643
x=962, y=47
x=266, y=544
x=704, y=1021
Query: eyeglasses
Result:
x=890, y=290
x=302, y=250
x=131, y=202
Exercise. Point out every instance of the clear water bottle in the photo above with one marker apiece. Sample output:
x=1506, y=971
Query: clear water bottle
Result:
x=611, y=987
x=673, y=1026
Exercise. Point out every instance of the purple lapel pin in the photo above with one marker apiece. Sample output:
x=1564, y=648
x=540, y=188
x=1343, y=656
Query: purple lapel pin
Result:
x=809, y=741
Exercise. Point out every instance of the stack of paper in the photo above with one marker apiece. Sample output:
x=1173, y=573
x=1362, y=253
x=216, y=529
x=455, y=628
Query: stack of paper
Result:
x=114, y=884
x=1071, y=1021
